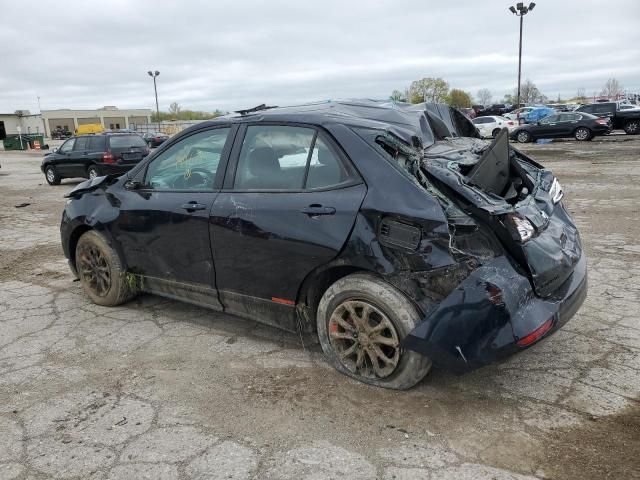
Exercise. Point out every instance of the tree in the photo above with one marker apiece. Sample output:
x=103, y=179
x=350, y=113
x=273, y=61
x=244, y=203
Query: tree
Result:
x=529, y=93
x=428, y=90
x=484, y=96
x=174, y=109
x=581, y=95
x=397, y=96
x=612, y=89
x=459, y=98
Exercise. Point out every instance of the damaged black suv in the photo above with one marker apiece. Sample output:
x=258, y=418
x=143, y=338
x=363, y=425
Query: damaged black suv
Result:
x=393, y=231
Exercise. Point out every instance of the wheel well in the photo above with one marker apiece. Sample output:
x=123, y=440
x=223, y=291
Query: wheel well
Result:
x=314, y=287
x=73, y=242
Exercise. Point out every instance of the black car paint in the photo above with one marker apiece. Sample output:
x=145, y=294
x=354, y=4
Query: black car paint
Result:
x=620, y=119
x=271, y=262
x=77, y=162
x=561, y=127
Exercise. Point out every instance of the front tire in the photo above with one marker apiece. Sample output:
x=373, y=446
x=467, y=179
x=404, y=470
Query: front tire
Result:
x=495, y=132
x=523, y=137
x=361, y=321
x=632, y=127
x=52, y=176
x=100, y=270
x=582, y=134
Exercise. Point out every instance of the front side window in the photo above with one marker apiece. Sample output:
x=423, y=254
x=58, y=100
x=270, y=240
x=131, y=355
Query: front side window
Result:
x=190, y=164
x=67, y=146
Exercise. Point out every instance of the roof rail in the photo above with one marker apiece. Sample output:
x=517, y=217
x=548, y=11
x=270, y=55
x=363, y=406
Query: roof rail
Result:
x=255, y=109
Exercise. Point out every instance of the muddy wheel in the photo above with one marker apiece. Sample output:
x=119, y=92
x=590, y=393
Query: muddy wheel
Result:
x=523, y=137
x=632, y=127
x=100, y=270
x=495, y=132
x=52, y=176
x=92, y=172
x=361, y=322
x=582, y=134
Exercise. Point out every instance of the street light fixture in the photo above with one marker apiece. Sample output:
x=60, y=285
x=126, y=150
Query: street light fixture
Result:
x=520, y=10
x=155, y=89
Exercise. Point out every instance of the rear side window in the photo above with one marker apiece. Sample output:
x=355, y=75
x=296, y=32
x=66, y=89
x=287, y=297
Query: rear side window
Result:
x=276, y=157
x=96, y=144
x=126, y=141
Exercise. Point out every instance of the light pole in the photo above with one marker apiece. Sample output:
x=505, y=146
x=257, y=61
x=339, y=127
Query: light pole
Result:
x=155, y=89
x=520, y=11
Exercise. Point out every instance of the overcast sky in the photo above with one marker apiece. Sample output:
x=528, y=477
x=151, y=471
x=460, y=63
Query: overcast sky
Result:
x=240, y=53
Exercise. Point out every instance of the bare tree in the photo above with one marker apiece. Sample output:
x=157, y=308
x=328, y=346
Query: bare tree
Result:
x=612, y=88
x=484, y=96
x=174, y=109
x=529, y=93
x=581, y=95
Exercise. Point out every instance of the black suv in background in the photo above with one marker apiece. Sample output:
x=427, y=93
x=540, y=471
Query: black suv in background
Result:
x=627, y=120
x=90, y=156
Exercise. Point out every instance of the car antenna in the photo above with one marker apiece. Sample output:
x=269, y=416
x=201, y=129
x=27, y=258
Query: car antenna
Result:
x=255, y=109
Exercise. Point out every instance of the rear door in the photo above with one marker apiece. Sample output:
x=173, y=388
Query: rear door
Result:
x=567, y=123
x=547, y=127
x=163, y=226
x=289, y=203
x=96, y=149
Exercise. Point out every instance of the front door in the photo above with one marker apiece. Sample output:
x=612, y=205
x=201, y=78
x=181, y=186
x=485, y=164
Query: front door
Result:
x=64, y=160
x=163, y=224
x=547, y=127
x=289, y=204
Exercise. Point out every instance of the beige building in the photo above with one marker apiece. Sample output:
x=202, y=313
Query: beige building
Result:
x=110, y=117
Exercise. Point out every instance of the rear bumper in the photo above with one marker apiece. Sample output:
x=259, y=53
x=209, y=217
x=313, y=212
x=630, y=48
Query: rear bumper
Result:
x=481, y=321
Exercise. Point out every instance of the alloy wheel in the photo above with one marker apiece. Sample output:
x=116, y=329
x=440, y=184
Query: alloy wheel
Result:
x=365, y=340
x=582, y=134
x=523, y=137
x=94, y=269
x=93, y=173
x=51, y=175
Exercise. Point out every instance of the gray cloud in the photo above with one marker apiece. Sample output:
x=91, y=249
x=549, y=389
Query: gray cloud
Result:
x=234, y=54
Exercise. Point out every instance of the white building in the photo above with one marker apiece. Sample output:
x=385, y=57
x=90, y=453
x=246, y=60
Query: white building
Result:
x=28, y=123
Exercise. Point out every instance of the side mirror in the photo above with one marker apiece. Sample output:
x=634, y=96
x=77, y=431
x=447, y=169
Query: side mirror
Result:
x=54, y=150
x=132, y=185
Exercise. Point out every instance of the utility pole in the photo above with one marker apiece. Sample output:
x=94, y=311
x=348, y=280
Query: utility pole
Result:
x=520, y=11
x=155, y=89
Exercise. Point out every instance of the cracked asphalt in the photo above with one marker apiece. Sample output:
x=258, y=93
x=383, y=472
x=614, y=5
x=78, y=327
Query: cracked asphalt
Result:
x=157, y=389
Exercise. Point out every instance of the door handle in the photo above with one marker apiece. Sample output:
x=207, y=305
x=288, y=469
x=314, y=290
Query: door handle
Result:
x=315, y=210
x=193, y=206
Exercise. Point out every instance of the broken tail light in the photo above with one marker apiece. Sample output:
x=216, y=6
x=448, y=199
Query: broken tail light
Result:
x=537, y=334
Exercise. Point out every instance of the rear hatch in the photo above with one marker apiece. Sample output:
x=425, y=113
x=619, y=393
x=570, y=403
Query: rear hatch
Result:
x=516, y=197
x=128, y=149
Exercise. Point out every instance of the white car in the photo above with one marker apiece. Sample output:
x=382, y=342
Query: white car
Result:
x=490, y=125
x=520, y=112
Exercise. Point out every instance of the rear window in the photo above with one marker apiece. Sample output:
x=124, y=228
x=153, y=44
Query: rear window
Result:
x=127, y=141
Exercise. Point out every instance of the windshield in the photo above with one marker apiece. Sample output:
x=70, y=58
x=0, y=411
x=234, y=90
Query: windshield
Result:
x=126, y=141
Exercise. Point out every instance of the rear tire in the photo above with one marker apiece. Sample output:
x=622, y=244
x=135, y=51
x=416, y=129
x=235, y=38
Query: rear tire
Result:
x=495, y=132
x=100, y=271
x=52, y=176
x=523, y=137
x=632, y=127
x=361, y=321
x=582, y=134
